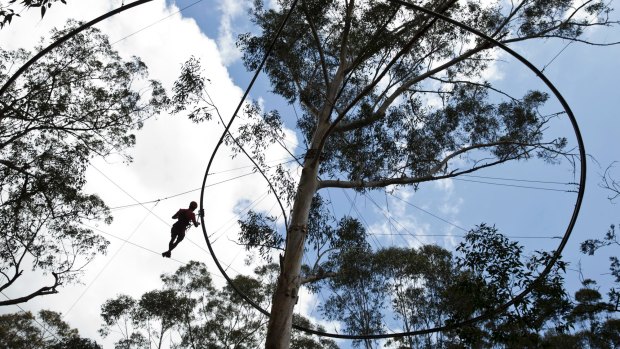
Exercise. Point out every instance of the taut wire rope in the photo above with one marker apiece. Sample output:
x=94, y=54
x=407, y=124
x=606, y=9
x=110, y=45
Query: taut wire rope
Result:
x=108, y=262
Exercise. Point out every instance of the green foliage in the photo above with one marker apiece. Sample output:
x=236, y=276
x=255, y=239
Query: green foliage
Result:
x=430, y=287
x=7, y=11
x=257, y=232
x=387, y=130
x=24, y=331
x=80, y=101
x=187, y=91
x=202, y=315
x=393, y=97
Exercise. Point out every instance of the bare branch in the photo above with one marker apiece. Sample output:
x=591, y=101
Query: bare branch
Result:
x=430, y=176
x=317, y=277
x=40, y=292
x=319, y=44
x=610, y=183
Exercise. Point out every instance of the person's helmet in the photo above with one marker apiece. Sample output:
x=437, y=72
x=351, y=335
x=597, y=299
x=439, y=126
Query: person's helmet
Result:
x=193, y=205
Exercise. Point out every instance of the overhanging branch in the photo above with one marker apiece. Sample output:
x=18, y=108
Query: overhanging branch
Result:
x=317, y=277
x=381, y=183
x=40, y=292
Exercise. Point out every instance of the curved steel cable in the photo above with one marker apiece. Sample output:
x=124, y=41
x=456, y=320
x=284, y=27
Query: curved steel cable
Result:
x=556, y=255
x=219, y=143
x=484, y=316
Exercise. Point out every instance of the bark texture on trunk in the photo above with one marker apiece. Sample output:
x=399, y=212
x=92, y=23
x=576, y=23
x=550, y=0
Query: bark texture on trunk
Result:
x=289, y=281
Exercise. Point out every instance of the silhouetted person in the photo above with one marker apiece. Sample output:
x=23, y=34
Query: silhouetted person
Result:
x=184, y=217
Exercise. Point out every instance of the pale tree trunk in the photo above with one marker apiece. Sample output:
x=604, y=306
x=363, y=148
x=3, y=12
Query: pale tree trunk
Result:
x=289, y=281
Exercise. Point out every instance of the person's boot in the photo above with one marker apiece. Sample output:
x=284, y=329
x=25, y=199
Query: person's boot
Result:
x=167, y=254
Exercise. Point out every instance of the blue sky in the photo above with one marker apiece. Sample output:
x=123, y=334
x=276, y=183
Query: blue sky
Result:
x=587, y=76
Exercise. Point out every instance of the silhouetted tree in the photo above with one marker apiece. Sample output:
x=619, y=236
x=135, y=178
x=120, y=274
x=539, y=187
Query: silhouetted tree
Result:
x=24, y=331
x=78, y=102
x=599, y=327
x=202, y=315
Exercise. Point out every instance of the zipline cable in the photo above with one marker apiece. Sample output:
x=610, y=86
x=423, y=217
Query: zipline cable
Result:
x=189, y=191
x=108, y=262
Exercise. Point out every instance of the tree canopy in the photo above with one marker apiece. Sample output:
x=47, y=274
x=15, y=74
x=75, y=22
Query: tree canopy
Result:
x=47, y=330
x=203, y=315
x=80, y=101
x=390, y=97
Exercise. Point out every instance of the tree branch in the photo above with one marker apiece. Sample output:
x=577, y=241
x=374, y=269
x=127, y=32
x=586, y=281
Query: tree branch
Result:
x=40, y=292
x=610, y=183
x=319, y=45
x=400, y=90
x=317, y=277
x=349, y=4
x=429, y=177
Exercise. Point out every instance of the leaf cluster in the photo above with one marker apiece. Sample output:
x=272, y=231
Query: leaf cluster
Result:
x=202, y=315
x=7, y=12
x=47, y=330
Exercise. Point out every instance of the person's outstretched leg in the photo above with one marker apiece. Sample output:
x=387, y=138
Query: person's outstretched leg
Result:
x=173, y=243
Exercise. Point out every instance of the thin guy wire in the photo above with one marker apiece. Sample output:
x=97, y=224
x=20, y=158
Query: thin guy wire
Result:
x=158, y=21
x=189, y=191
x=107, y=263
x=390, y=219
x=429, y=213
x=142, y=247
x=514, y=185
x=519, y=180
x=556, y=56
x=463, y=236
x=360, y=216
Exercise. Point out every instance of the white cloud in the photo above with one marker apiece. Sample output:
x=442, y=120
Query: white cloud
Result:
x=446, y=185
x=451, y=206
x=227, y=36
